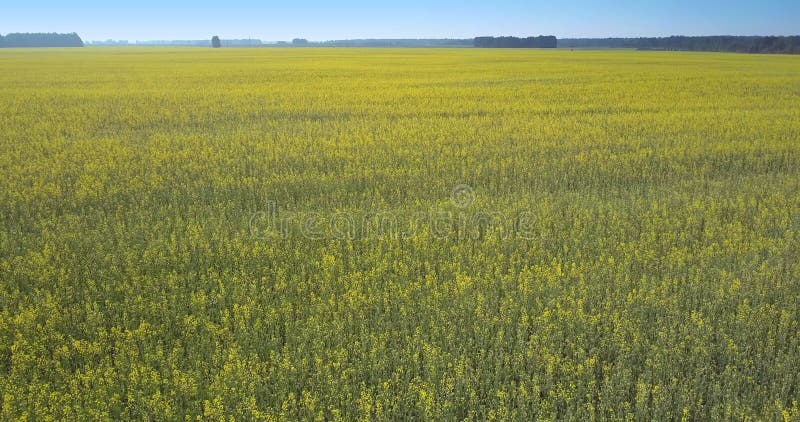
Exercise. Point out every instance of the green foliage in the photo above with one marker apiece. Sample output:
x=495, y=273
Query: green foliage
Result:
x=733, y=44
x=515, y=42
x=41, y=40
x=660, y=282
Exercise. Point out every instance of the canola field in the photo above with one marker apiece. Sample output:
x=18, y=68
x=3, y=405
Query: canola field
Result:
x=398, y=234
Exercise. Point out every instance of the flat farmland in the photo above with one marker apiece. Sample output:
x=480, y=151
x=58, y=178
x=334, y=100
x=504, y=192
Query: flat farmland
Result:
x=388, y=234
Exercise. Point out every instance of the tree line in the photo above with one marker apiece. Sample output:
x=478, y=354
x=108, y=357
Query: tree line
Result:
x=515, y=42
x=397, y=42
x=41, y=40
x=732, y=44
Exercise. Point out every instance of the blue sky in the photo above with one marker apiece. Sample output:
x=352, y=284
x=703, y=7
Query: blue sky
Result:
x=324, y=20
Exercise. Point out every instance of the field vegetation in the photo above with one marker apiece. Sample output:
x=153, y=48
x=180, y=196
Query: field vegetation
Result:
x=339, y=234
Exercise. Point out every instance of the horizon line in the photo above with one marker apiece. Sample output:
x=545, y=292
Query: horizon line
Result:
x=434, y=38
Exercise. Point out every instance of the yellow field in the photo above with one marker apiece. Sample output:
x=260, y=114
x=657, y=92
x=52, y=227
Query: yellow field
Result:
x=399, y=234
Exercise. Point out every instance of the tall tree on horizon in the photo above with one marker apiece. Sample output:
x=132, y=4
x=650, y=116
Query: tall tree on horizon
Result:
x=215, y=42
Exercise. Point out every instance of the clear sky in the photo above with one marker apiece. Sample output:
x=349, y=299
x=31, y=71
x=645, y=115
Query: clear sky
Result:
x=326, y=20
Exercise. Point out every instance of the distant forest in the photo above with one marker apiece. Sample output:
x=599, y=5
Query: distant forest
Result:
x=386, y=43
x=514, y=42
x=732, y=44
x=250, y=42
x=41, y=40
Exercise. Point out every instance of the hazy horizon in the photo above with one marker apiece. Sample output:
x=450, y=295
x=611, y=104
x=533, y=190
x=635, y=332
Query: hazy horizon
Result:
x=319, y=21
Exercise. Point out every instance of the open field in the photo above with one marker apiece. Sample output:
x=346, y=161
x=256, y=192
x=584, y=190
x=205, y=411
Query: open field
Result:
x=386, y=234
